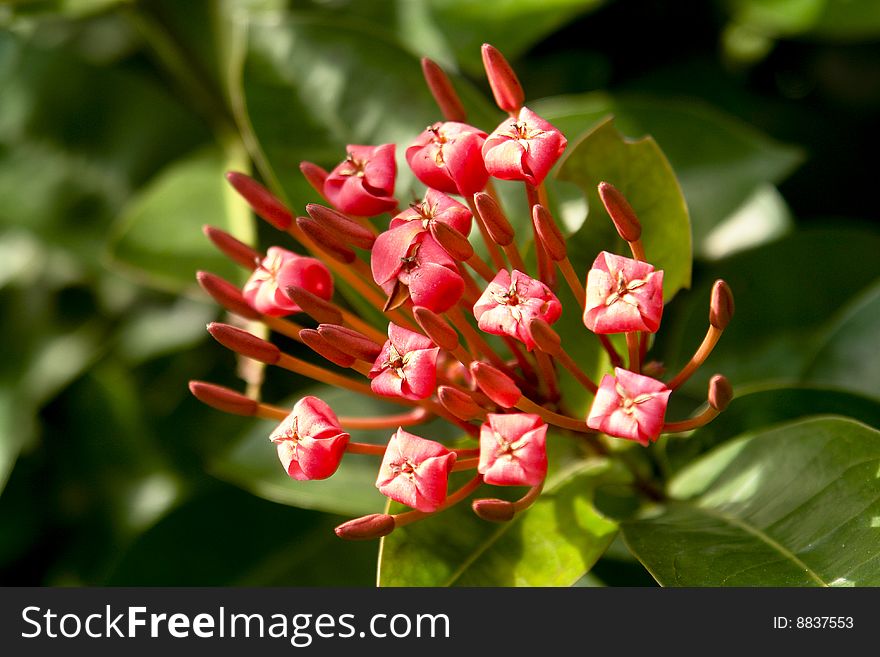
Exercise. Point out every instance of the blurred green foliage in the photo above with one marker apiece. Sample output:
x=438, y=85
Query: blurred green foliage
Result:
x=118, y=118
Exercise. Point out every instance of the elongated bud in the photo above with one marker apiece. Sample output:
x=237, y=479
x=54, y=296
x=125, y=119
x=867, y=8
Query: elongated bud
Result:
x=350, y=342
x=315, y=176
x=326, y=240
x=244, y=343
x=544, y=336
x=234, y=249
x=720, y=392
x=314, y=306
x=368, y=527
x=498, y=387
x=621, y=212
x=443, y=91
x=351, y=231
x=261, y=200
x=506, y=88
x=436, y=328
x=460, y=404
x=549, y=234
x=454, y=243
x=226, y=294
x=223, y=399
x=317, y=343
x=721, y=305
x=497, y=224
x=494, y=510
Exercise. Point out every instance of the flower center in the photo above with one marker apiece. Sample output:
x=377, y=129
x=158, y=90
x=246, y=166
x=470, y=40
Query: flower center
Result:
x=624, y=291
x=520, y=131
x=354, y=167
x=404, y=467
x=627, y=403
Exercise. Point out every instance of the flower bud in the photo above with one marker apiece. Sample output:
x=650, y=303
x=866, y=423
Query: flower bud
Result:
x=314, y=306
x=442, y=91
x=493, y=217
x=721, y=305
x=720, y=392
x=326, y=240
x=244, y=343
x=226, y=294
x=543, y=335
x=223, y=399
x=234, y=249
x=499, y=387
x=317, y=343
x=460, y=404
x=436, y=328
x=351, y=231
x=375, y=525
x=350, y=342
x=314, y=175
x=454, y=243
x=261, y=200
x=494, y=510
x=548, y=232
x=506, y=88
x=621, y=212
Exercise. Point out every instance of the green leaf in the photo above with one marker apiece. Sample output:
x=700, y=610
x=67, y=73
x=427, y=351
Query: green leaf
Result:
x=553, y=543
x=720, y=161
x=642, y=173
x=848, y=356
x=792, y=506
x=158, y=238
x=844, y=20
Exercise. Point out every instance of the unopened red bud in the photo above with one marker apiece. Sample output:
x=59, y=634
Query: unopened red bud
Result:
x=436, y=328
x=350, y=231
x=443, y=91
x=317, y=343
x=720, y=392
x=234, y=249
x=368, y=527
x=497, y=224
x=494, y=510
x=498, y=387
x=261, y=200
x=314, y=306
x=508, y=92
x=621, y=212
x=544, y=336
x=549, y=234
x=721, y=305
x=459, y=403
x=223, y=399
x=454, y=243
x=244, y=343
x=314, y=175
x=226, y=294
x=326, y=240
x=350, y=342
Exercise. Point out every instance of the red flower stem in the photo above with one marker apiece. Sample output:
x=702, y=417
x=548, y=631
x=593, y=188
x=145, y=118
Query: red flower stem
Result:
x=643, y=345
x=546, y=271
x=692, y=423
x=521, y=358
x=283, y=326
x=494, y=251
x=516, y=261
x=269, y=412
x=358, y=324
x=574, y=283
x=365, y=448
x=479, y=265
x=548, y=374
x=702, y=353
x=528, y=406
x=470, y=451
x=416, y=416
x=466, y=464
x=471, y=291
x=569, y=363
x=529, y=498
x=638, y=250
x=632, y=345
x=402, y=519
x=331, y=378
x=616, y=360
x=475, y=342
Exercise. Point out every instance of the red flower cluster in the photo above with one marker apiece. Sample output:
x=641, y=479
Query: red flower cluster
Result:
x=434, y=356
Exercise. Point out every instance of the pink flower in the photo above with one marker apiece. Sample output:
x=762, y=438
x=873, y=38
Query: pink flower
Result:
x=406, y=367
x=511, y=301
x=623, y=295
x=310, y=441
x=265, y=289
x=436, y=207
x=523, y=148
x=363, y=183
x=422, y=271
x=629, y=405
x=512, y=451
x=415, y=471
x=447, y=157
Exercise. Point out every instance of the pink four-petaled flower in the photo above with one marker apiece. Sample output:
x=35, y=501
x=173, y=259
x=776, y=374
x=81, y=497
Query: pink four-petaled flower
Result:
x=280, y=269
x=407, y=365
x=309, y=441
x=629, y=405
x=415, y=471
x=447, y=157
x=512, y=450
x=524, y=147
x=511, y=301
x=623, y=295
x=363, y=183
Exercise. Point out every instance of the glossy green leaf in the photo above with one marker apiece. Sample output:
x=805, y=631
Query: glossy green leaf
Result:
x=827, y=19
x=848, y=356
x=719, y=160
x=553, y=543
x=640, y=170
x=798, y=505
